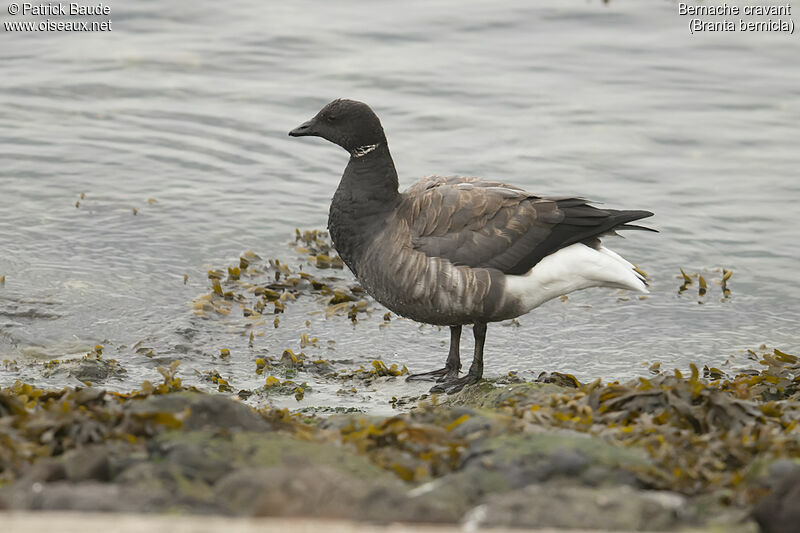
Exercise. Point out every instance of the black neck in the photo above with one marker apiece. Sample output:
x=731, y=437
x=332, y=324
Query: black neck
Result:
x=366, y=196
x=371, y=178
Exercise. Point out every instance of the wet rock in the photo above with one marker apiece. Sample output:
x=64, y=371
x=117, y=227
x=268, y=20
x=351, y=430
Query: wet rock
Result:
x=184, y=471
x=158, y=479
x=476, y=423
x=43, y=471
x=87, y=463
x=765, y=475
x=505, y=463
x=319, y=492
x=216, y=411
x=204, y=411
x=248, y=449
x=613, y=509
x=143, y=474
x=783, y=467
x=339, y=421
x=87, y=496
x=189, y=458
x=90, y=368
x=560, y=379
x=489, y=395
x=778, y=512
x=541, y=457
x=87, y=395
x=203, y=470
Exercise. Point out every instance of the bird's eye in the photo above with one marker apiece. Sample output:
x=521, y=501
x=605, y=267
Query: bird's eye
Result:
x=331, y=118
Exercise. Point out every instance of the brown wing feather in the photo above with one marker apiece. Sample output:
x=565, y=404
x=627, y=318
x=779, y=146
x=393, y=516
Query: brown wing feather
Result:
x=473, y=222
x=486, y=224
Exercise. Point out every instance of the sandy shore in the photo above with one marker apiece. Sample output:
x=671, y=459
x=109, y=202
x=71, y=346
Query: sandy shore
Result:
x=46, y=522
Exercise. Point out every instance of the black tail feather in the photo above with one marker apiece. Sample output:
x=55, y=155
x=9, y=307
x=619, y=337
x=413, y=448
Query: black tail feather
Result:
x=581, y=222
x=634, y=226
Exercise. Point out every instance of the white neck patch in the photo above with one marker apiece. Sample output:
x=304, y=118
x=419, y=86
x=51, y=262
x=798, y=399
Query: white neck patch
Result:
x=361, y=151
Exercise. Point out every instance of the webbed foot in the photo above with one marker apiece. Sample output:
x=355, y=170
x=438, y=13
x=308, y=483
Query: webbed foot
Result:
x=443, y=374
x=450, y=386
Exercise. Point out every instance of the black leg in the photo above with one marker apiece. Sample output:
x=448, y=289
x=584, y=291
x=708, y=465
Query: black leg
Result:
x=475, y=370
x=453, y=364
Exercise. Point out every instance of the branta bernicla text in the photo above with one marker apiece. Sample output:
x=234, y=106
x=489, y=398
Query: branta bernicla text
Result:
x=455, y=250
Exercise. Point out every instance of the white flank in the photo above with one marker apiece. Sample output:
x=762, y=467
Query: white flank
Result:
x=570, y=269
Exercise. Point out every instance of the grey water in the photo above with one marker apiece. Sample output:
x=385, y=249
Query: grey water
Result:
x=181, y=114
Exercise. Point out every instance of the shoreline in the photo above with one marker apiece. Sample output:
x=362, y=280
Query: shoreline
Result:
x=45, y=522
x=672, y=452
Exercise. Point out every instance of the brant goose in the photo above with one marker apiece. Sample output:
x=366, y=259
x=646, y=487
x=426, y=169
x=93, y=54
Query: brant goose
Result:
x=454, y=250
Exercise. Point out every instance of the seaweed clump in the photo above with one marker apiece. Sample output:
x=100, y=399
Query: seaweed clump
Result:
x=702, y=433
x=37, y=423
x=702, y=285
x=258, y=289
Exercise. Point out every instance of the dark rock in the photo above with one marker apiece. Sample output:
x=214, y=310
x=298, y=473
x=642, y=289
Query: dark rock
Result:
x=779, y=512
x=88, y=369
x=192, y=460
x=184, y=469
x=506, y=463
x=189, y=465
x=87, y=395
x=480, y=422
x=320, y=492
x=485, y=394
x=560, y=379
x=340, y=421
x=764, y=475
x=609, y=508
x=540, y=457
x=87, y=496
x=781, y=468
x=43, y=471
x=143, y=474
x=92, y=370
x=205, y=411
x=158, y=479
x=203, y=455
x=217, y=411
x=88, y=463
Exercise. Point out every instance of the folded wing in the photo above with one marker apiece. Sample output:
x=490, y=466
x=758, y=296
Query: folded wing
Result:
x=487, y=224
